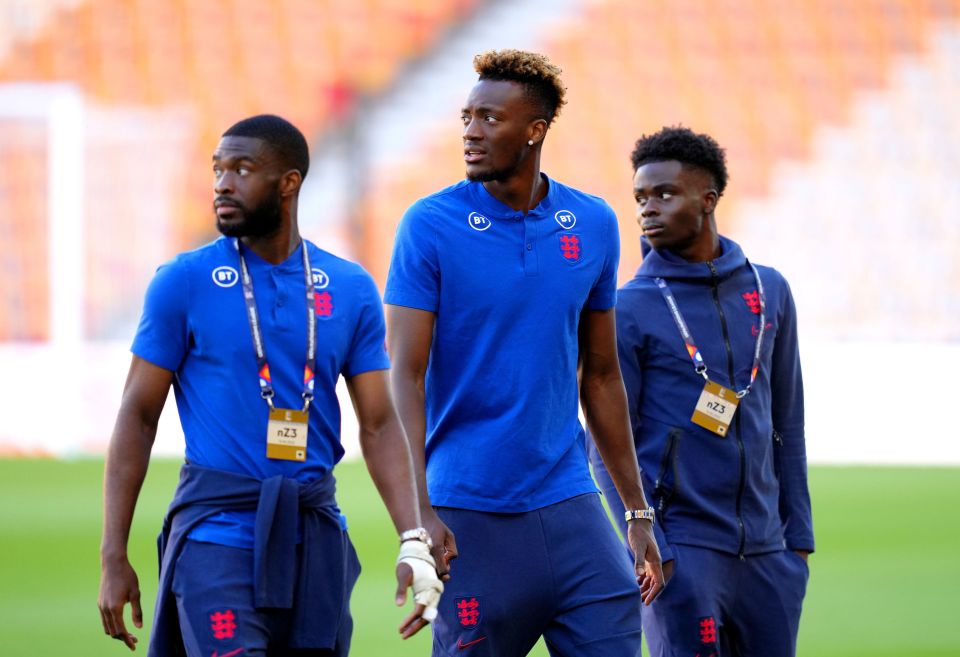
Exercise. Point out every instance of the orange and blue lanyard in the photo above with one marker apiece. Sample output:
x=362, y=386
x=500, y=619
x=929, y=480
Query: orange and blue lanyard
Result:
x=698, y=364
x=253, y=318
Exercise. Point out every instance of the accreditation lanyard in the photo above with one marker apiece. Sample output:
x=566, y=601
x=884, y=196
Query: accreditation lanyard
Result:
x=698, y=364
x=717, y=404
x=253, y=318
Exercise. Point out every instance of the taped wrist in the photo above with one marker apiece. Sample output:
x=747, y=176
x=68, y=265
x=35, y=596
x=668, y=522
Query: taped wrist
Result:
x=427, y=587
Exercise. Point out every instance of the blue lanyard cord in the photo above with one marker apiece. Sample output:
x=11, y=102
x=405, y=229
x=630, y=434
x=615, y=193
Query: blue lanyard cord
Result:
x=253, y=319
x=698, y=364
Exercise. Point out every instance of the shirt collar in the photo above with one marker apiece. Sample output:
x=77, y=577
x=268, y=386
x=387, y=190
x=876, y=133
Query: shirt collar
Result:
x=293, y=263
x=496, y=209
x=663, y=263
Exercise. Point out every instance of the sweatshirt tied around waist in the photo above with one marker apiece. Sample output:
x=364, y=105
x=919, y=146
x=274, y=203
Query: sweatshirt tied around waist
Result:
x=313, y=578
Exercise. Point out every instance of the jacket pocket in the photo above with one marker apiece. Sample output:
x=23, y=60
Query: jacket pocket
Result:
x=667, y=484
x=777, y=447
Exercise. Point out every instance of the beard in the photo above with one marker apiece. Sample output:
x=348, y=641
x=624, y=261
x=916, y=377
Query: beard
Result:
x=498, y=174
x=489, y=176
x=260, y=221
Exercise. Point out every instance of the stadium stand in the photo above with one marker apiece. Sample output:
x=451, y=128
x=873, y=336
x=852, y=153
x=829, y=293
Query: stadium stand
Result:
x=776, y=82
x=761, y=76
x=865, y=229
x=837, y=115
x=207, y=64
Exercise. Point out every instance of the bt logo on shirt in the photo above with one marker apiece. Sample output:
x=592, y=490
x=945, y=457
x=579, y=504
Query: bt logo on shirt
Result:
x=566, y=219
x=320, y=278
x=225, y=276
x=478, y=222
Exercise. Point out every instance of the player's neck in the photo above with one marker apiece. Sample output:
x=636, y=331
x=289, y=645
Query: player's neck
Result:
x=522, y=191
x=276, y=247
x=704, y=249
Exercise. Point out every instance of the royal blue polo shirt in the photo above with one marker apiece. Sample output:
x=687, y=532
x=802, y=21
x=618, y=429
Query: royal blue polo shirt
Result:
x=194, y=324
x=508, y=290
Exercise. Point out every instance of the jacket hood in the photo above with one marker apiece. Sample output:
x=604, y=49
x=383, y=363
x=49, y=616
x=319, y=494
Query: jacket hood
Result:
x=664, y=264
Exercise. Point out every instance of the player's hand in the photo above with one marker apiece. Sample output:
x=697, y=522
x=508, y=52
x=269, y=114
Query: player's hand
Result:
x=118, y=586
x=444, y=543
x=803, y=554
x=647, y=564
x=668, y=571
x=416, y=569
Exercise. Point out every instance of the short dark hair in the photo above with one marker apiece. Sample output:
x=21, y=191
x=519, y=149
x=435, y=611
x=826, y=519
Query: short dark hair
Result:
x=539, y=77
x=282, y=136
x=685, y=146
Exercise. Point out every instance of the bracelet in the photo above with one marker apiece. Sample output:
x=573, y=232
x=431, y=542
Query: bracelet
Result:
x=641, y=514
x=418, y=534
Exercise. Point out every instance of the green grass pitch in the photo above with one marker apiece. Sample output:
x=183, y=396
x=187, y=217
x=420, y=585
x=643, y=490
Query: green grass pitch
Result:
x=885, y=580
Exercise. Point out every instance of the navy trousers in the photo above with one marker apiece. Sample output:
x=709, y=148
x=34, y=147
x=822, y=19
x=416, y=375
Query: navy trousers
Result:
x=717, y=605
x=559, y=572
x=213, y=589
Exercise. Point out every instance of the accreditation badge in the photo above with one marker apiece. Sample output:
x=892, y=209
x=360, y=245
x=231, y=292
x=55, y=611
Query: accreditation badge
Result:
x=715, y=408
x=287, y=435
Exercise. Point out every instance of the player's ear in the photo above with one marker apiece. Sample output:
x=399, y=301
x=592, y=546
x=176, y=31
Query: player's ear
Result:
x=710, y=198
x=290, y=182
x=536, y=131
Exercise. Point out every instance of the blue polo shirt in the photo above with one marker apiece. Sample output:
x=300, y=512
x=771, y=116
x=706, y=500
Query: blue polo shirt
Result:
x=194, y=324
x=503, y=432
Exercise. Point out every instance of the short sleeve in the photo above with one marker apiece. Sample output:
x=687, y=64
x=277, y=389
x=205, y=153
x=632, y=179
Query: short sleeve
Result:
x=414, y=277
x=603, y=296
x=161, y=336
x=368, y=349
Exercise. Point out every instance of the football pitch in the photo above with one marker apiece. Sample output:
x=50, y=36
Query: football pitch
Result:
x=885, y=579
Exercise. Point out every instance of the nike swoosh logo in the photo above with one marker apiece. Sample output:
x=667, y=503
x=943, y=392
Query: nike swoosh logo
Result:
x=460, y=644
x=227, y=654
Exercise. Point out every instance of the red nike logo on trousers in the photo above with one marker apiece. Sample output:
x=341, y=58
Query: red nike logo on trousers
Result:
x=460, y=644
x=227, y=654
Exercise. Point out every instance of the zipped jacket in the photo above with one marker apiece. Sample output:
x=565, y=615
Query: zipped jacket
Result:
x=744, y=493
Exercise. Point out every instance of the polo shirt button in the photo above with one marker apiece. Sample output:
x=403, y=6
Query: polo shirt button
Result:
x=529, y=246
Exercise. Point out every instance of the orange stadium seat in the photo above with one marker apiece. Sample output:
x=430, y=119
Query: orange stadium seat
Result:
x=761, y=79
x=233, y=58
x=764, y=78
x=310, y=60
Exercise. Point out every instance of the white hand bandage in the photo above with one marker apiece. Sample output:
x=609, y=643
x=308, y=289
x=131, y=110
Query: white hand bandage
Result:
x=427, y=587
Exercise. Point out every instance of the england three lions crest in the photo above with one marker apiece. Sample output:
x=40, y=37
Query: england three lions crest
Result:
x=468, y=611
x=571, y=247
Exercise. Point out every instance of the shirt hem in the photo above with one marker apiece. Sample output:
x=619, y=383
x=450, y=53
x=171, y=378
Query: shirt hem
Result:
x=409, y=301
x=153, y=359
x=513, y=506
x=363, y=369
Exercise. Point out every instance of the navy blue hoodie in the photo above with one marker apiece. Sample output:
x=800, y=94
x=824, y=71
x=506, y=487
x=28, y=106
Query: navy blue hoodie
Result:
x=745, y=493
x=316, y=585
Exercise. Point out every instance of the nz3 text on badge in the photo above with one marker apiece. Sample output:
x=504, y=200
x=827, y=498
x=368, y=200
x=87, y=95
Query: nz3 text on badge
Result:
x=715, y=408
x=287, y=434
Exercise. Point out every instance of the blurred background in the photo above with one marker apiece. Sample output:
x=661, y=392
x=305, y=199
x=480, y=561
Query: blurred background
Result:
x=839, y=118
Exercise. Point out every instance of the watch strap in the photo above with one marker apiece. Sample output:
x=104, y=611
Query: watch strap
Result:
x=641, y=514
x=416, y=534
